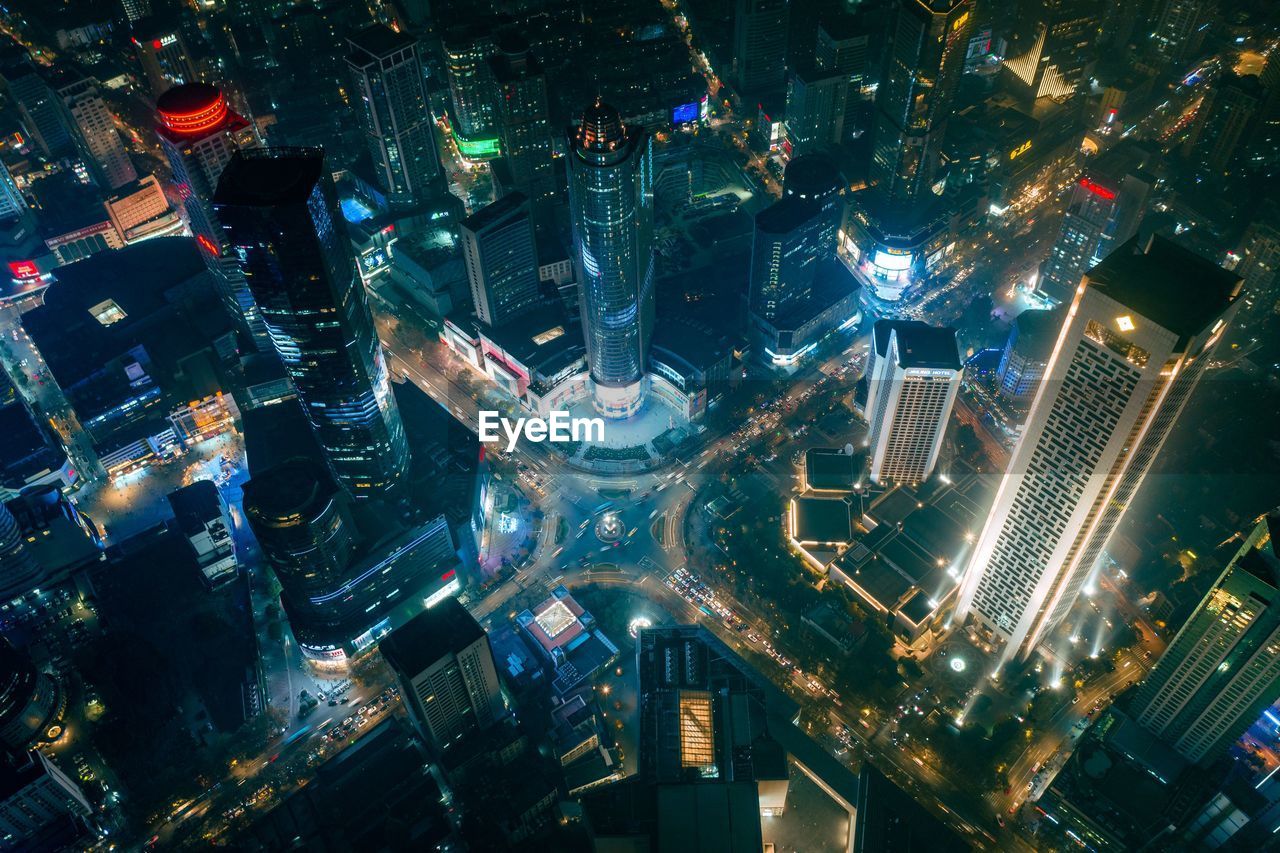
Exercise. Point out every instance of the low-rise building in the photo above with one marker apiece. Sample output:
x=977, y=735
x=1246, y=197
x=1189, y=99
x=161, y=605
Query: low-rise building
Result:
x=201, y=515
x=565, y=635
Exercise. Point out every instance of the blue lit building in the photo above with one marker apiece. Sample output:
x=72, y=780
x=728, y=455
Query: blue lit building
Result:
x=611, y=210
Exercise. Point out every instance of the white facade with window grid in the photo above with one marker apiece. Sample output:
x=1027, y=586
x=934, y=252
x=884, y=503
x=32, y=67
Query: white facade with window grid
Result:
x=1115, y=383
x=908, y=416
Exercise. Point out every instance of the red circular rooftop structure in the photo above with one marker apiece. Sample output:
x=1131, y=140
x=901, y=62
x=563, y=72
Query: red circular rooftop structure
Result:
x=192, y=108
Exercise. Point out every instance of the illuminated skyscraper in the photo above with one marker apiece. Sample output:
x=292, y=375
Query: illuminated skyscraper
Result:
x=1181, y=26
x=280, y=212
x=916, y=380
x=162, y=52
x=1225, y=124
x=816, y=101
x=792, y=237
x=523, y=122
x=928, y=39
x=1223, y=667
x=611, y=210
x=1026, y=353
x=198, y=133
x=1142, y=329
x=390, y=101
x=499, y=251
x=1056, y=41
x=109, y=162
x=43, y=116
x=760, y=44
x=1105, y=209
x=1259, y=254
x=471, y=89
x=136, y=10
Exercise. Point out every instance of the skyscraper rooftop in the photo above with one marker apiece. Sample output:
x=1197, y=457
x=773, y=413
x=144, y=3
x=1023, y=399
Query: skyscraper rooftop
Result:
x=266, y=177
x=1175, y=287
x=418, y=643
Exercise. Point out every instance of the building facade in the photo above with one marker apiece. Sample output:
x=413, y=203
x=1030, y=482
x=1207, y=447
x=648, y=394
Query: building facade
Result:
x=927, y=43
x=611, y=212
x=760, y=44
x=446, y=671
x=523, y=119
x=1142, y=329
x=1223, y=667
x=916, y=382
x=1055, y=44
x=499, y=250
x=1106, y=207
x=391, y=105
x=109, y=161
x=280, y=212
x=199, y=133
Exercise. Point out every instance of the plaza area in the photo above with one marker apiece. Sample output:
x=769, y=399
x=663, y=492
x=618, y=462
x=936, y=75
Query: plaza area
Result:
x=132, y=503
x=634, y=443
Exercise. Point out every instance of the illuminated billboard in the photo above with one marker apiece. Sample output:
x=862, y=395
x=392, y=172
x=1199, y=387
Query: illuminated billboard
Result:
x=23, y=269
x=892, y=260
x=685, y=113
x=479, y=148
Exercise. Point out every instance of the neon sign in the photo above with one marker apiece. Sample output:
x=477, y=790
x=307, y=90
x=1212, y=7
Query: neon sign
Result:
x=24, y=269
x=1097, y=189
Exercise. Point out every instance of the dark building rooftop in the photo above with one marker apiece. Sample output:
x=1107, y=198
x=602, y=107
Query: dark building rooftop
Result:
x=418, y=643
x=379, y=40
x=295, y=486
x=275, y=434
x=822, y=520
x=491, y=213
x=831, y=468
x=266, y=177
x=195, y=504
x=1037, y=332
x=1180, y=290
x=786, y=214
x=926, y=346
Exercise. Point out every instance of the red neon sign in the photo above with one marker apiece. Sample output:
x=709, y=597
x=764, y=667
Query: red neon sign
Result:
x=208, y=117
x=207, y=245
x=24, y=269
x=1097, y=189
x=156, y=44
x=448, y=575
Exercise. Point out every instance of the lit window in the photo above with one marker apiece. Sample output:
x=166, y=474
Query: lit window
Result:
x=107, y=312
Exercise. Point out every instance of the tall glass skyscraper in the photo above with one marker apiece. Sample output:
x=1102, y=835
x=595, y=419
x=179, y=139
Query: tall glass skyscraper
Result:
x=391, y=104
x=611, y=209
x=280, y=212
x=928, y=39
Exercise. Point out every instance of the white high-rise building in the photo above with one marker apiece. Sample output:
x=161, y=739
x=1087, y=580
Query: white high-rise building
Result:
x=110, y=161
x=912, y=388
x=1138, y=336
